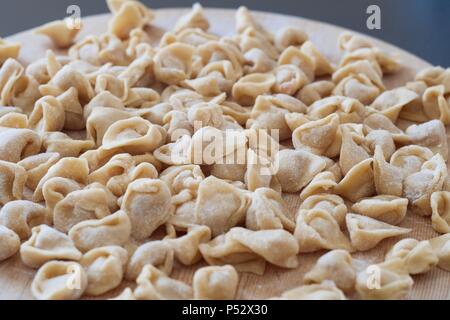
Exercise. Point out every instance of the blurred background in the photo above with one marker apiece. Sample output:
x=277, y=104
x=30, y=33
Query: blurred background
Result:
x=419, y=26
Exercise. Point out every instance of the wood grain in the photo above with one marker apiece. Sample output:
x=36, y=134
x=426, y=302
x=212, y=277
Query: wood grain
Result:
x=15, y=278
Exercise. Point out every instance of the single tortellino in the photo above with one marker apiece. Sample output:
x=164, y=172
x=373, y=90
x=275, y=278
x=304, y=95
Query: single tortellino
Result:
x=194, y=19
x=316, y=229
x=75, y=169
x=418, y=187
x=290, y=36
x=60, y=32
x=315, y=91
x=9, y=243
x=249, y=87
x=351, y=152
x=337, y=266
x=357, y=86
x=350, y=42
x=56, y=189
x=8, y=50
x=147, y=202
x=22, y=216
x=80, y=205
x=249, y=250
x=64, y=145
x=128, y=15
x=365, y=67
x=186, y=247
x=319, y=136
x=391, y=103
x=267, y=211
x=289, y=79
x=114, y=229
x=17, y=144
x=383, y=139
x=322, y=66
x=13, y=178
x=326, y=290
x=37, y=166
x=366, y=233
x=385, y=281
x=257, y=61
x=220, y=205
x=441, y=246
x=215, y=283
x=418, y=256
x=358, y=183
x=390, y=209
x=13, y=120
x=331, y=203
x=409, y=159
x=261, y=172
x=379, y=122
x=104, y=268
x=46, y=244
x=296, y=168
x=295, y=56
x=59, y=280
x=173, y=63
x=153, y=284
x=322, y=183
x=126, y=294
x=348, y=109
x=159, y=254
x=430, y=134
x=134, y=135
x=440, y=208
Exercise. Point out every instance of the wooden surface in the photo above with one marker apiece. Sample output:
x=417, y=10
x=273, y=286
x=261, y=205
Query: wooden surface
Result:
x=15, y=278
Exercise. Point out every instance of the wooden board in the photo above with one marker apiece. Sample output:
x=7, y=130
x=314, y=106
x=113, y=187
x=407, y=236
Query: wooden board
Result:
x=15, y=278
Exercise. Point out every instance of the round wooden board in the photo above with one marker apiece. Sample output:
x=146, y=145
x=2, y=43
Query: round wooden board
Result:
x=15, y=278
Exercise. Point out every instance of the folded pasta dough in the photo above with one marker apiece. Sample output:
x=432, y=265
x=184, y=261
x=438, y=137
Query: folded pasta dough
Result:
x=242, y=247
x=186, y=247
x=248, y=88
x=215, y=283
x=409, y=159
x=351, y=152
x=331, y=203
x=295, y=56
x=366, y=233
x=378, y=121
x=430, y=134
x=56, y=189
x=173, y=63
x=47, y=244
x=16, y=144
x=326, y=290
x=147, y=202
x=387, y=281
x=134, y=135
x=268, y=211
x=13, y=178
x=114, y=229
x=358, y=183
x=100, y=119
x=220, y=205
x=64, y=145
x=153, y=284
x=9, y=243
x=359, y=87
x=159, y=254
x=59, y=280
x=383, y=139
x=315, y=91
x=296, y=168
x=318, y=136
x=290, y=36
x=440, y=218
x=21, y=216
x=386, y=208
x=194, y=19
x=75, y=169
x=419, y=186
x=126, y=294
x=60, y=32
x=336, y=266
x=316, y=229
x=349, y=110
x=128, y=15
x=260, y=172
x=323, y=182
x=365, y=67
x=441, y=246
x=418, y=256
x=37, y=166
x=120, y=171
x=13, y=120
x=322, y=66
x=104, y=268
x=80, y=205
x=8, y=50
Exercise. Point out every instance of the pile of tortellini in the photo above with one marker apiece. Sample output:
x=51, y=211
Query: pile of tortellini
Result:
x=100, y=180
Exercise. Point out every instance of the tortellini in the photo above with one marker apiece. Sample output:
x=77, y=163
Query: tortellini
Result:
x=326, y=290
x=104, y=268
x=46, y=244
x=18, y=143
x=60, y=32
x=366, y=233
x=389, y=209
x=215, y=282
x=440, y=218
x=59, y=280
x=418, y=256
x=9, y=243
x=441, y=247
